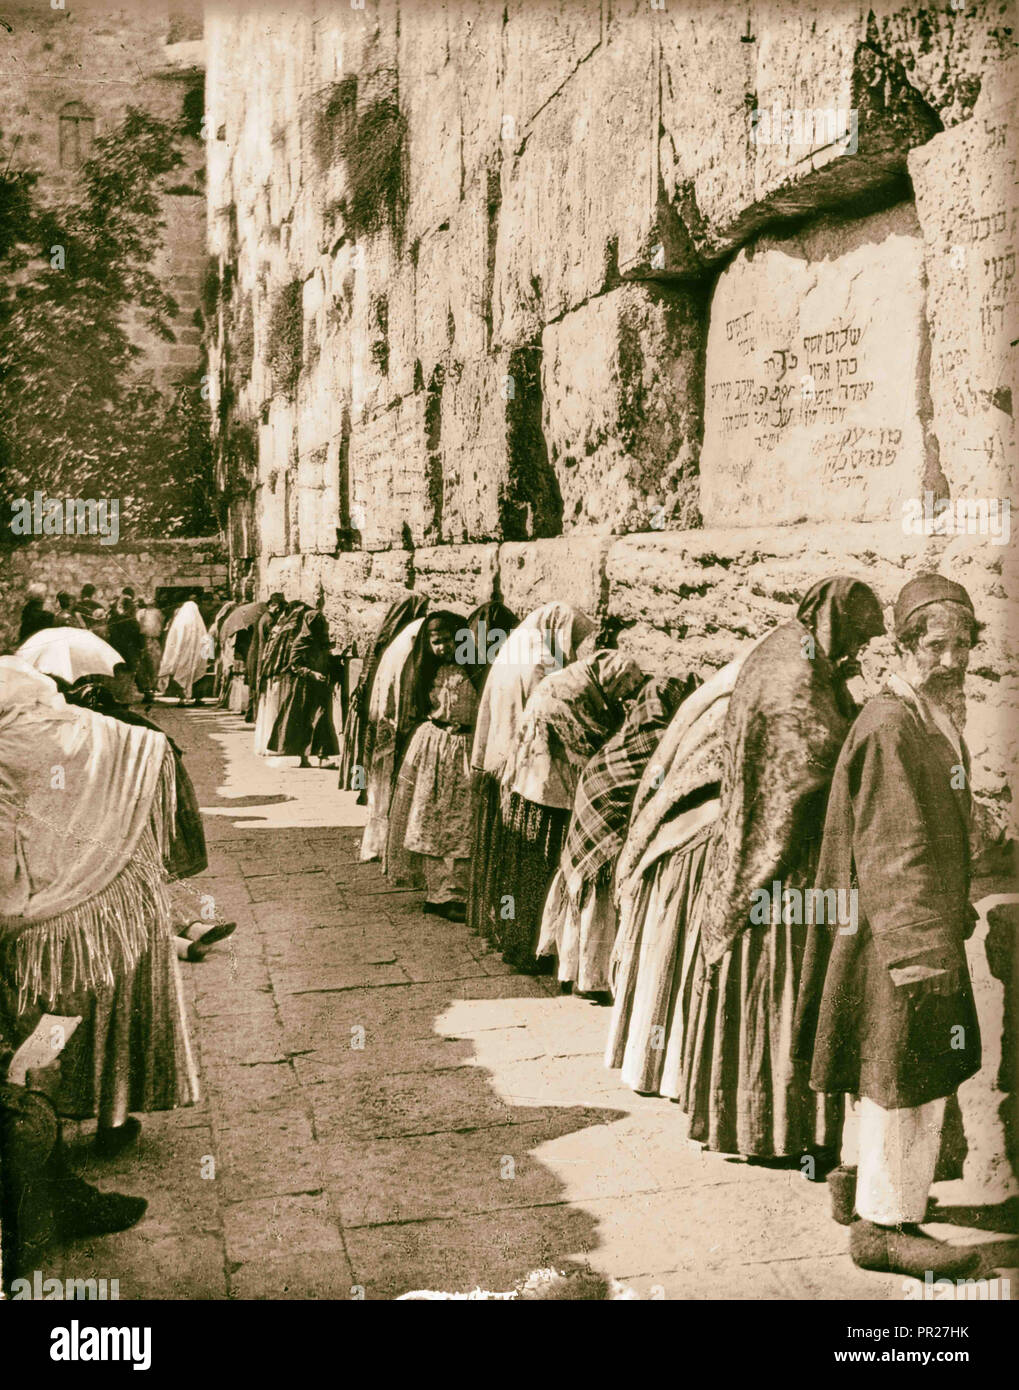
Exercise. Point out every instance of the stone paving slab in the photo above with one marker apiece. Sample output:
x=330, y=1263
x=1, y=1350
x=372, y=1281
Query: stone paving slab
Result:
x=388, y=1107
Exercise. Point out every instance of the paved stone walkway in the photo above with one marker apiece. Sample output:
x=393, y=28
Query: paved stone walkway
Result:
x=386, y=1107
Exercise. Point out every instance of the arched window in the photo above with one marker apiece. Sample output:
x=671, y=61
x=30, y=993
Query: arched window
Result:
x=77, y=131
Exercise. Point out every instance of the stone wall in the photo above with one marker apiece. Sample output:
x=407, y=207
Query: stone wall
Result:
x=67, y=563
x=668, y=309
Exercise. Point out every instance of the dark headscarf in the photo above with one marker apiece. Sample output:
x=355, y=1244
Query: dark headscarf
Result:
x=841, y=613
x=276, y=656
x=496, y=617
x=422, y=665
x=787, y=720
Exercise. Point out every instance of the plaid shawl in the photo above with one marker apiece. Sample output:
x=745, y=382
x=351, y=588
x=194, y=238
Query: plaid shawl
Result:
x=601, y=810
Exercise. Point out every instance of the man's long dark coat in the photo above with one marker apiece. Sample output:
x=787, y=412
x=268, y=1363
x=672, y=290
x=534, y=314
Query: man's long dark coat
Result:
x=897, y=829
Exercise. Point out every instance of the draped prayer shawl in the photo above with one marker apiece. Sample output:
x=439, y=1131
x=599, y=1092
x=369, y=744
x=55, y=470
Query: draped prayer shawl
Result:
x=187, y=648
x=388, y=699
x=786, y=722
x=546, y=639
x=609, y=783
x=684, y=770
x=355, y=728
x=87, y=807
x=565, y=722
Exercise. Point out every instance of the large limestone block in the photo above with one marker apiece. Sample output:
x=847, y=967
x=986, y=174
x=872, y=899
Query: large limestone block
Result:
x=391, y=493
x=578, y=195
x=545, y=46
x=452, y=296
x=430, y=87
x=621, y=390
x=814, y=403
x=709, y=592
x=967, y=200
x=461, y=574
x=476, y=40
x=777, y=109
x=473, y=440
x=570, y=569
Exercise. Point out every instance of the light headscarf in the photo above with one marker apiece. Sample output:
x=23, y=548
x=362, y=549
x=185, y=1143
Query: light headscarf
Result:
x=546, y=640
x=567, y=718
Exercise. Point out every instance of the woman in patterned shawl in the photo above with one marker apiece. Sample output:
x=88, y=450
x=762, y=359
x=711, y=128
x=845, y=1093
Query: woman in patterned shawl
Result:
x=579, y=922
x=353, y=754
x=566, y=720
x=787, y=719
x=547, y=639
x=429, y=841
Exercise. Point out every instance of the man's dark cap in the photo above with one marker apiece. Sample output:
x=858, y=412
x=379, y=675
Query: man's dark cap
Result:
x=925, y=589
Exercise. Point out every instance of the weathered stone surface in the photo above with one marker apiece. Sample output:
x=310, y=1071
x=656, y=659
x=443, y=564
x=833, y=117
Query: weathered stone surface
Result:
x=462, y=574
x=817, y=115
x=578, y=194
x=473, y=429
x=621, y=389
x=389, y=483
x=570, y=569
x=967, y=193
x=812, y=389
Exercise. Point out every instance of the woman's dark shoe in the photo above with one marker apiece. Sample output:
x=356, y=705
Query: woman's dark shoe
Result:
x=906, y=1250
x=113, y=1141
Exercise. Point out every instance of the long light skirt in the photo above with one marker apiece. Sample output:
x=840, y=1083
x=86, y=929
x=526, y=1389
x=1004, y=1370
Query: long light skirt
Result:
x=132, y=1050
x=265, y=718
x=743, y=1090
x=651, y=972
x=430, y=815
x=582, y=934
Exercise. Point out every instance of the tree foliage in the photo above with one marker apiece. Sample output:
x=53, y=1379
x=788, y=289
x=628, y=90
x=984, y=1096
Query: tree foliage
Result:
x=79, y=415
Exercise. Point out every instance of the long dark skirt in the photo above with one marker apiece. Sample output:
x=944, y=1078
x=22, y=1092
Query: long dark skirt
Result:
x=528, y=849
x=482, y=899
x=304, y=724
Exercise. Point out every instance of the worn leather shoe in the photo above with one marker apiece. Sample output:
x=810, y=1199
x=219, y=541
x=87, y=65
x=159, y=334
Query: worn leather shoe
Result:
x=842, y=1186
x=907, y=1250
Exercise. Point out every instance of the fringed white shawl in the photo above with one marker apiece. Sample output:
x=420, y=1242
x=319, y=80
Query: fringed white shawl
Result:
x=546, y=640
x=87, y=805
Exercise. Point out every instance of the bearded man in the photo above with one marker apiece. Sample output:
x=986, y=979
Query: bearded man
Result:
x=889, y=1007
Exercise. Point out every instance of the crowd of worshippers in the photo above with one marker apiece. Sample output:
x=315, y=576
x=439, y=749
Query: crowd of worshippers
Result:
x=768, y=884
x=276, y=666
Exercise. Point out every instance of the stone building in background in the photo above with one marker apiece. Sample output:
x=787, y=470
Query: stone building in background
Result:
x=67, y=74
x=667, y=309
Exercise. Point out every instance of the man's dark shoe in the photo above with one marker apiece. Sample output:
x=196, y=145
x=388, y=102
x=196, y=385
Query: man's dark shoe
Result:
x=82, y=1210
x=452, y=912
x=906, y=1250
x=111, y=1142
